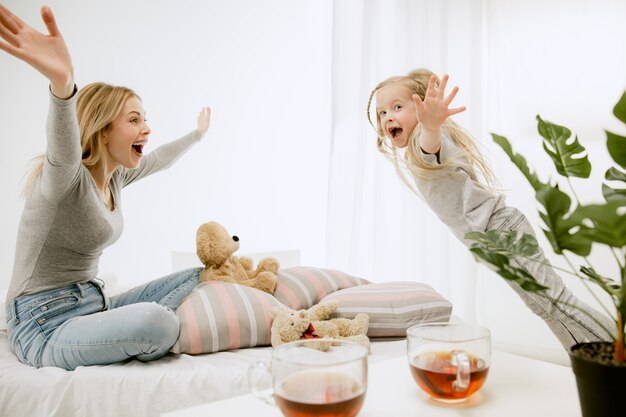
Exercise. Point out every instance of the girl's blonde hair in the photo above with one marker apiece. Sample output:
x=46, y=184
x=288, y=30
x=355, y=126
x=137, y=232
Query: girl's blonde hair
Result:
x=97, y=105
x=412, y=165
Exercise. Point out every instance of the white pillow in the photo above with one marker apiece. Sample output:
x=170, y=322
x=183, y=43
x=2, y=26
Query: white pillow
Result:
x=392, y=307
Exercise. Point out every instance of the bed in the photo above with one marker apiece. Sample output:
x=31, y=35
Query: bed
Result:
x=133, y=388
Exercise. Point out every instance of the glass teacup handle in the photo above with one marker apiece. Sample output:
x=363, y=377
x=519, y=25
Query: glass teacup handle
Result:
x=256, y=371
x=462, y=363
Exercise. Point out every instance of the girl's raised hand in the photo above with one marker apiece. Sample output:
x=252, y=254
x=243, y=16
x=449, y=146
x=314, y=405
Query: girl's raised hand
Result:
x=48, y=54
x=434, y=109
x=204, y=120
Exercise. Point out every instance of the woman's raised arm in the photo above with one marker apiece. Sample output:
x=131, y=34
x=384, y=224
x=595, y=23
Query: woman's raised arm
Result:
x=48, y=54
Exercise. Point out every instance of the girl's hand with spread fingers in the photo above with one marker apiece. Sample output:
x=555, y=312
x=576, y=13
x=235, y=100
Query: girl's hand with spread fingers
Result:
x=434, y=109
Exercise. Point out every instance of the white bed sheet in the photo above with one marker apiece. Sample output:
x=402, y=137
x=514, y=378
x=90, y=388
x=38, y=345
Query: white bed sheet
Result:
x=134, y=388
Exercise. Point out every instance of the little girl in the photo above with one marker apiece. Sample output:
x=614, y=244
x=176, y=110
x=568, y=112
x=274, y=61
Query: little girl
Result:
x=415, y=132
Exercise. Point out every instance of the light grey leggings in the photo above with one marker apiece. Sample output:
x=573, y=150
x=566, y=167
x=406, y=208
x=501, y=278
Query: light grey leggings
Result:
x=557, y=306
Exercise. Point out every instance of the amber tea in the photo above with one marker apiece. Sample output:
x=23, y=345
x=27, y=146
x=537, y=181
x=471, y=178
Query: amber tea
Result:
x=319, y=393
x=436, y=374
x=311, y=382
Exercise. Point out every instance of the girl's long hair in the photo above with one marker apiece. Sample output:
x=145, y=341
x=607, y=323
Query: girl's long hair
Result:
x=411, y=165
x=97, y=105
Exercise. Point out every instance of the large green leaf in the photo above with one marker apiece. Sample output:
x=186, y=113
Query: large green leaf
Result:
x=563, y=232
x=620, y=108
x=496, y=249
x=614, y=174
x=519, y=161
x=608, y=285
x=509, y=243
x=616, y=145
x=568, y=156
x=500, y=264
x=614, y=194
x=608, y=224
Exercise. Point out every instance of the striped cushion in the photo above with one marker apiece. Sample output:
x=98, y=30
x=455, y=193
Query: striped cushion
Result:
x=303, y=287
x=220, y=316
x=392, y=307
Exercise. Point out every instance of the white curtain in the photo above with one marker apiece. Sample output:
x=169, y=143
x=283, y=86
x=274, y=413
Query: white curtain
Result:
x=376, y=227
x=512, y=60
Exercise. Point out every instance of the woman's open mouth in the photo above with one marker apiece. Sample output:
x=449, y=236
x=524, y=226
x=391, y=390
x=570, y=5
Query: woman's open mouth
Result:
x=138, y=148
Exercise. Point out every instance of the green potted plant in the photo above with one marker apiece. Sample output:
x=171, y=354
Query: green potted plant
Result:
x=573, y=227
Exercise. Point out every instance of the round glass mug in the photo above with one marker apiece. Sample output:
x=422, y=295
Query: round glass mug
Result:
x=313, y=377
x=449, y=361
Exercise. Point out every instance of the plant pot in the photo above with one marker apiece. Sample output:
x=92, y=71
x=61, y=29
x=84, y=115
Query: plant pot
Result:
x=601, y=384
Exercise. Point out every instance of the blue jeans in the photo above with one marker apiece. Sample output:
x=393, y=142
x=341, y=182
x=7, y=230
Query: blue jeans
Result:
x=79, y=325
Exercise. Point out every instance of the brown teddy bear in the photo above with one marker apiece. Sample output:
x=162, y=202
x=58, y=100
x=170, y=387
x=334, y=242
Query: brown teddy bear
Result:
x=215, y=248
x=289, y=325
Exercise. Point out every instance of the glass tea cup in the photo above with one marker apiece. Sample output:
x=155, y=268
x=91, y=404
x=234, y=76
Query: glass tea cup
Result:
x=313, y=378
x=449, y=361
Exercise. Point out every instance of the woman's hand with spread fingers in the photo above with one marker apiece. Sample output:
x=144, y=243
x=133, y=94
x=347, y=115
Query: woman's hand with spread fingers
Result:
x=48, y=54
x=204, y=120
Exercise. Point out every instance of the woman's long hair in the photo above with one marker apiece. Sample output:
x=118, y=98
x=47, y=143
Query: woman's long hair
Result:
x=411, y=165
x=97, y=105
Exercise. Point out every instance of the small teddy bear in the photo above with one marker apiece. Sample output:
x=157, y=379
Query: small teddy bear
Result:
x=289, y=325
x=215, y=248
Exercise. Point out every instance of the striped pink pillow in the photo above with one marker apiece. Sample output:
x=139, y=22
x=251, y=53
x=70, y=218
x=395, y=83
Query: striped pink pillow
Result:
x=302, y=287
x=220, y=316
x=392, y=307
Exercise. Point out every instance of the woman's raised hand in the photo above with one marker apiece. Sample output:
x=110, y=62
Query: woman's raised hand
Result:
x=204, y=120
x=434, y=109
x=48, y=54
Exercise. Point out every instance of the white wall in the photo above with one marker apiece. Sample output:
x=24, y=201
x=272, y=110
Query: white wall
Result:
x=263, y=66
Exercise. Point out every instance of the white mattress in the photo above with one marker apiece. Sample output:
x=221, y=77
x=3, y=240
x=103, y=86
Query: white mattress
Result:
x=134, y=388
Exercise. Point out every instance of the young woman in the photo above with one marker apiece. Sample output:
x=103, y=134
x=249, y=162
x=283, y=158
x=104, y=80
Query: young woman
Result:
x=443, y=161
x=58, y=313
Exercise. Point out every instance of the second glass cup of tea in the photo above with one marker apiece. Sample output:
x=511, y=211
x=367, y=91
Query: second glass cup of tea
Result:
x=449, y=361
x=314, y=378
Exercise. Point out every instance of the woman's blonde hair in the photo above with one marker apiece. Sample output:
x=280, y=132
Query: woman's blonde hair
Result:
x=412, y=165
x=97, y=105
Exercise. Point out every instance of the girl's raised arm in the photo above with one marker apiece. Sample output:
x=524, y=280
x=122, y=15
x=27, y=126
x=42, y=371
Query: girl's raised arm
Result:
x=433, y=111
x=48, y=54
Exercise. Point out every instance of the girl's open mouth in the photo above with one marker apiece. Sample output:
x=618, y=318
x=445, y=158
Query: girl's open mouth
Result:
x=395, y=132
